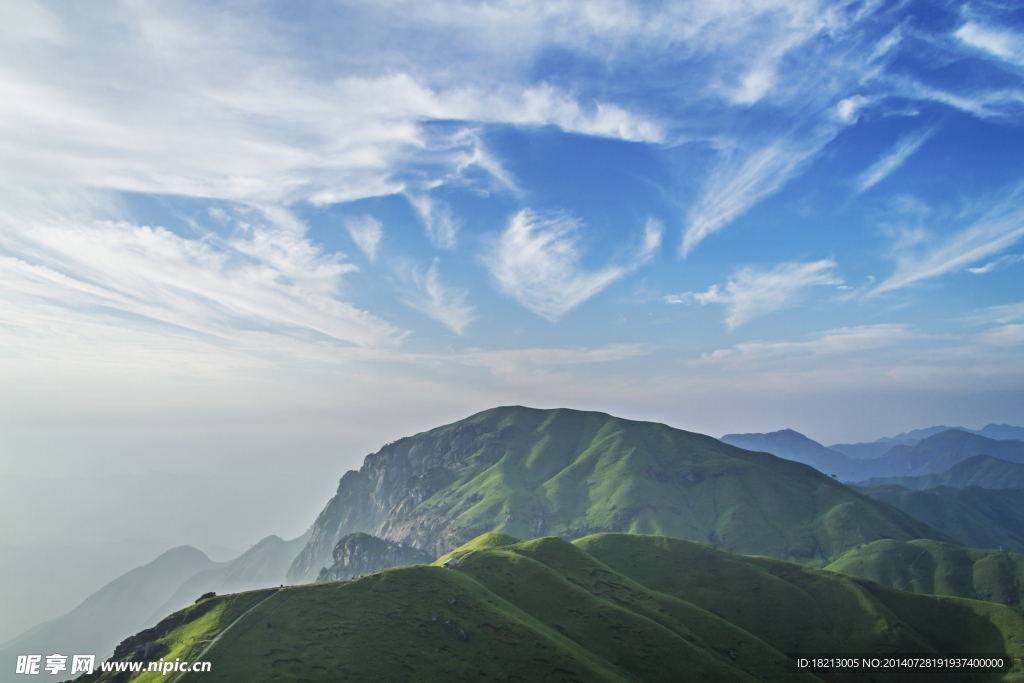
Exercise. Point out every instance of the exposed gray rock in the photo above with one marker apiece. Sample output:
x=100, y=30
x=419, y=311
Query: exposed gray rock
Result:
x=379, y=498
x=358, y=554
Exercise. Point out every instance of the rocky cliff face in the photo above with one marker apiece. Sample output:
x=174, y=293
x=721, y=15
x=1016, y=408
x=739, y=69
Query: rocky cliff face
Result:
x=380, y=497
x=358, y=554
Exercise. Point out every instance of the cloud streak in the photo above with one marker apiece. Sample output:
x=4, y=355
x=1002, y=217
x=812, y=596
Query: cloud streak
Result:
x=751, y=293
x=265, y=279
x=904, y=147
x=923, y=258
x=536, y=261
x=366, y=232
x=436, y=300
x=835, y=342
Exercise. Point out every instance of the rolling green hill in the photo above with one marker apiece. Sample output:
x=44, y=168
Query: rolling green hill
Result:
x=973, y=516
x=611, y=607
x=531, y=473
x=981, y=470
x=935, y=568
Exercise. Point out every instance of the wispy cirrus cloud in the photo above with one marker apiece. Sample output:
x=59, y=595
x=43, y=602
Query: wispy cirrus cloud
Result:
x=920, y=256
x=999, y=42
x=834, y=342
x=437, y=218
x=366, y=231
x=750, y=293
x=536, y=261
x=739, y=183
x=998, y=264
x=516, y=364
x=893, y=159
x=428, y=295
x=265, y=282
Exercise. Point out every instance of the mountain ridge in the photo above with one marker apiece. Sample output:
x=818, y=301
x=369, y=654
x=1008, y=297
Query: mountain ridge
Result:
x=529, y=472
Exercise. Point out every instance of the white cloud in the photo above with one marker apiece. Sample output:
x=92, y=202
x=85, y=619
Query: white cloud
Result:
x=750, y=293
x=739, y=182
x=437, y=219
x=922, y=257
x=835, y=342
x=516, y=364
x=536, y=262
x=998, y=264
x=848, y=110
x=999, y=42
x=432, y=298
x=366, y=231
x=265, y=281
x=904, y=147
x=1004, y=336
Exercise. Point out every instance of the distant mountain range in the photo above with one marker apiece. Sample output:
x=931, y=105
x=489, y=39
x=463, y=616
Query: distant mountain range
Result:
x=933, y=454
x=980, y=470
x=567, y=473
x=143, y=596
x=108, y=615
x=877, y=448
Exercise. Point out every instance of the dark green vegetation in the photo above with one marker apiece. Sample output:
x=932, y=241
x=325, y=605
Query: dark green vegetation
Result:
x=935, y=568
x=976, y=517
x=981, y=470
x=611, y=607
x=359, y=554
x=531, y=473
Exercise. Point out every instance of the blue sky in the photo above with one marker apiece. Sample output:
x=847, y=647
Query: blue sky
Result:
x=275, y=237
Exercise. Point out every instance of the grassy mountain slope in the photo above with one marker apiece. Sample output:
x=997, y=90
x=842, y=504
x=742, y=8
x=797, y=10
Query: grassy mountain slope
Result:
x=612, y=607
x=530, y=473
x=981, y=470
x=793, y=445
x=111, y=613
x=939, y=452
x=975, y=517
x=935, y=568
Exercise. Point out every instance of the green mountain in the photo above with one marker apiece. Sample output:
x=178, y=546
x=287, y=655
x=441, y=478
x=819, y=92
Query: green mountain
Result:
x=108, y=615
x=973, y=516
x=935, y=568
x=531, y=473
x=793, y=445
x=981, y=470
x=607, y=608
